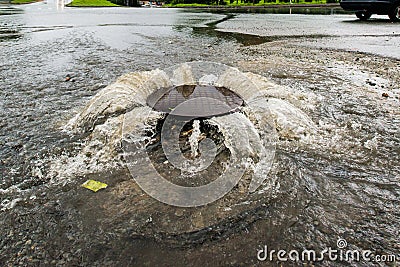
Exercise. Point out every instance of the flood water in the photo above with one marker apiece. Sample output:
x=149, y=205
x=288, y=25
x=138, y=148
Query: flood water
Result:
x=340, y=182
x=94, y=47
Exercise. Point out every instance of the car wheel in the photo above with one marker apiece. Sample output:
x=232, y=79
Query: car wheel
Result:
x=363, y=15
x=394, y=14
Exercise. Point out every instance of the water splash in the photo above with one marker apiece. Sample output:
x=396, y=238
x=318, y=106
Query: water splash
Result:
x=194, y=138
x=121, y=108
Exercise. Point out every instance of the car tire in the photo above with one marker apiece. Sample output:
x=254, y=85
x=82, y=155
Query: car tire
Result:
x=363, y=15
x=394, y=14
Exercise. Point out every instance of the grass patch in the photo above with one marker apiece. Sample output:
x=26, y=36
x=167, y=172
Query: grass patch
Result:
x=91, y=3
x=20, y=2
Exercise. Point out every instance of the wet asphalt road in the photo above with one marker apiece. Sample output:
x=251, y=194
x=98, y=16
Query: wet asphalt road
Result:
x=376, y=36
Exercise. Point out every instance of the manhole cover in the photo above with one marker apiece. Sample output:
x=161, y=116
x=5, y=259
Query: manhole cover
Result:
x=205, y=101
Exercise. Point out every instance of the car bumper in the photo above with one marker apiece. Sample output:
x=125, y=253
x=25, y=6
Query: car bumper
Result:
x=377, y=7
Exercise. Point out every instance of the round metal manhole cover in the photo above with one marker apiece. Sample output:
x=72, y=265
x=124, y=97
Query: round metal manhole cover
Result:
x=205, y=100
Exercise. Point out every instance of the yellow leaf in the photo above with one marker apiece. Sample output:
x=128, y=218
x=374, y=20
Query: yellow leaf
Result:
x=94, y=185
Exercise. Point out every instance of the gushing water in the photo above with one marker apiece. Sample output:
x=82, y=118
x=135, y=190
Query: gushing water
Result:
x=194, y=138
x=253, y=144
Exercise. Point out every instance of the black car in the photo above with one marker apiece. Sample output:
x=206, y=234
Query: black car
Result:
x=365, y=8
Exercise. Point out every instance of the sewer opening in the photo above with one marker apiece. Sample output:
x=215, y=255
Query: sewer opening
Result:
x=205, y=101
x=175, y=175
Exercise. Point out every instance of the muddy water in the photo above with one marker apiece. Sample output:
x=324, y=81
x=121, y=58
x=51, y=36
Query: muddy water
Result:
x=342, y=181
